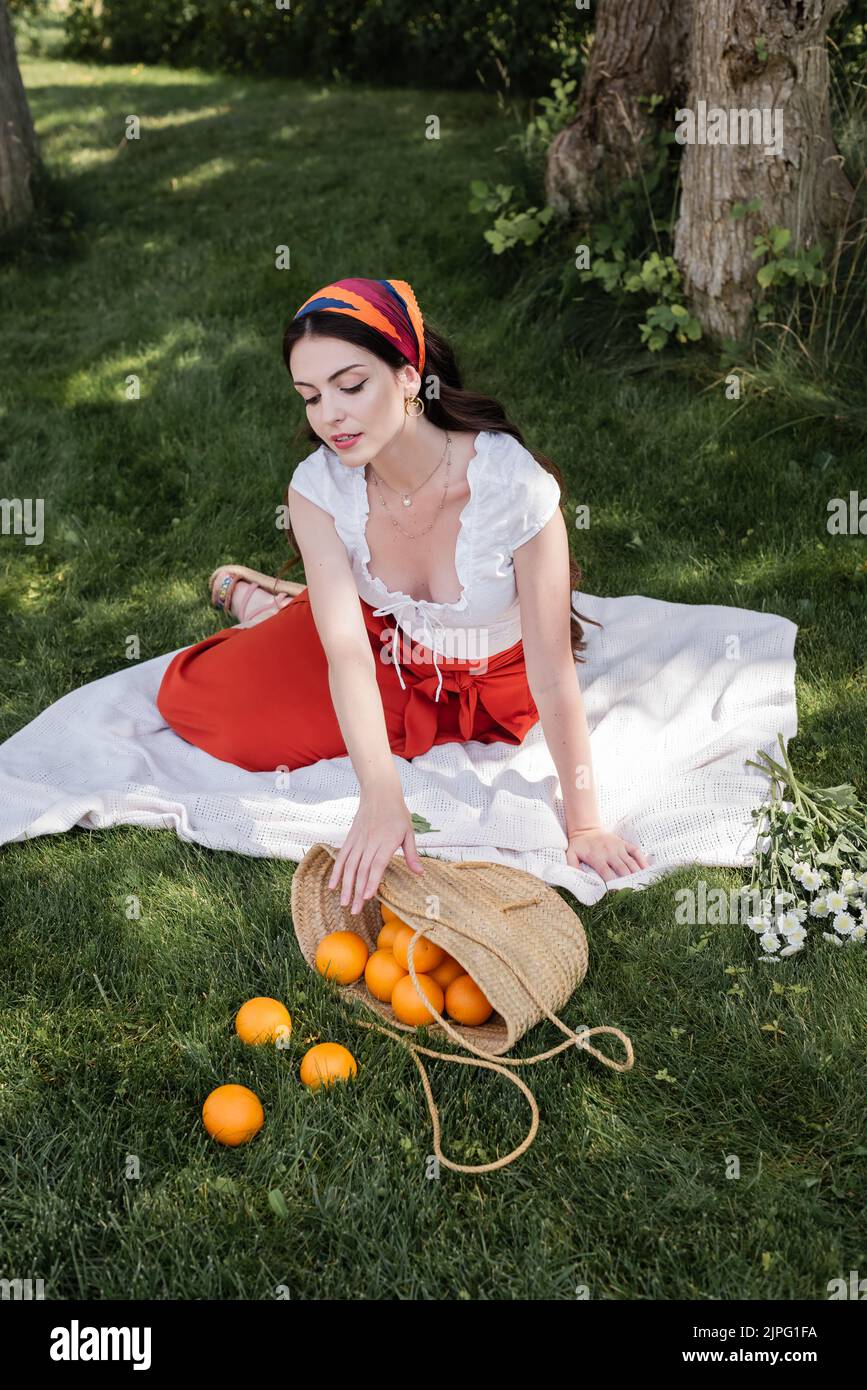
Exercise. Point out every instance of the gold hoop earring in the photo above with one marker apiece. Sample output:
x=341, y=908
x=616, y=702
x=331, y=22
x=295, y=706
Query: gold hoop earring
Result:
x=414, y=400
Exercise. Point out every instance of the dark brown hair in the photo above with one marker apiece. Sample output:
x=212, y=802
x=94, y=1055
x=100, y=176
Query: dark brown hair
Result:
x=454, y=409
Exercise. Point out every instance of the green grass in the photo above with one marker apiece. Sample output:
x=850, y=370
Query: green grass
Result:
x=115, y=1029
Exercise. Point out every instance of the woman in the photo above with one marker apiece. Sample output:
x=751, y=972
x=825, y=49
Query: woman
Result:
x=438, y=597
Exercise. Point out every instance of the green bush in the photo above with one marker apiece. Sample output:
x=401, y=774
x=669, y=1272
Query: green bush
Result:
x=504, y=43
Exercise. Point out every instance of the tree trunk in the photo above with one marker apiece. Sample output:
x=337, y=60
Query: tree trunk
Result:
x=640, y=47
x=761, y=56
x=19, y=151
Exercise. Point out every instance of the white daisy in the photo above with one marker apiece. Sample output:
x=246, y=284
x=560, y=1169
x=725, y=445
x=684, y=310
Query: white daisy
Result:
x=758, y=924
x=769, y=942
x=795, y=936
x=858, y=934
x=788, y=923
x=790, y=950
x=844, y=923
x=819, y=907
x=836, y=901
x=831, y=936
x=812, y=879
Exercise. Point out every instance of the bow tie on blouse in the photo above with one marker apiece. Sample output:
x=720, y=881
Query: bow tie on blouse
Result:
x=430, y=626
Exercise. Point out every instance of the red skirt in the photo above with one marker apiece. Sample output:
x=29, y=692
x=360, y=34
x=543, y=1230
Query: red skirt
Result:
x=259, y=696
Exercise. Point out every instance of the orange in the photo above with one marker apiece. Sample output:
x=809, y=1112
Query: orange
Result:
x=342, y=956
x=425, y=956
x=381, y=974
x=447, y=971
x=407, y=1005
x=387, y=914
x=262, y=1020
x=232, y=1115
x=466, y=1003
x=385, y=940
x=326, y=1063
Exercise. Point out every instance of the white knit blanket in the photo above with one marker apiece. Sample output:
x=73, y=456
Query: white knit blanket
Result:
x=677, y=696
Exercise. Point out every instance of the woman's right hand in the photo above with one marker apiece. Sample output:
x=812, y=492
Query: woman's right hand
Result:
x=382, y=825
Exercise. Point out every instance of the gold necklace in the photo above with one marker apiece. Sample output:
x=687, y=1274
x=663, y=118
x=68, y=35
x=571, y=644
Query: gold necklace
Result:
x=406, y=497
x=414, y=536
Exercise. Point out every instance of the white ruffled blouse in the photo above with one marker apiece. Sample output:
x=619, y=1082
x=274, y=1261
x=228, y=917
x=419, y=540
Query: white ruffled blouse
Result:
x=511, y=498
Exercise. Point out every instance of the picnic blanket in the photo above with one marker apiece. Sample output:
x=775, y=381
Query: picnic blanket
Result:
x=677, y=696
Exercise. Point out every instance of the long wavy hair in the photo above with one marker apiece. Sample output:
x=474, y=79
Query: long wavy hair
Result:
x=454, y=409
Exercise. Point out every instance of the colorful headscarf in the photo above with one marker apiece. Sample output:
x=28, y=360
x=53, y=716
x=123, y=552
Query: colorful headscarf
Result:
x=388, y=306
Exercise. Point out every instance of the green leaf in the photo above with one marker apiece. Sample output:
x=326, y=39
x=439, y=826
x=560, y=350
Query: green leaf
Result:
x=766, y=275
x=277, y=1203
x=830, y=856
x=679, y=311
x=780, y=238
x=844, y=795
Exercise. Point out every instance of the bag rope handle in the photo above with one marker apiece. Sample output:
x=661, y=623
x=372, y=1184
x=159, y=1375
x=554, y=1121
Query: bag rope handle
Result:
x=573, y=1038
x=483, y=1061
x=414, y=1049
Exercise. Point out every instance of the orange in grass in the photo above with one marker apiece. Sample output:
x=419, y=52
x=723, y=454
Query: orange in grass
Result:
x=465, y=1002
x=342, y=956
x=381, y=974
x=233, y=1115
x=407, y=1005
x=425, y=956
x=326, y=1063
x=448, y=970
x=262, y=1020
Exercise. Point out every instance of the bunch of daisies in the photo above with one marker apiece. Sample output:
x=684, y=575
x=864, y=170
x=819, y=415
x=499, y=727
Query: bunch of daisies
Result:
x=809, y=865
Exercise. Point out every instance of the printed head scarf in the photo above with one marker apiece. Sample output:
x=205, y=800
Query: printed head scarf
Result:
x=388, y=306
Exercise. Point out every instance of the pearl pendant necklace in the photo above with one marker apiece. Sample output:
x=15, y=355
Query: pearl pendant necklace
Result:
x=407, y=500
x=406, y=497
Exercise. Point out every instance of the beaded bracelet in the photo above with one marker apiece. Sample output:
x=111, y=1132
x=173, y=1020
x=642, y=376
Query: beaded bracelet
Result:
x=225, y=586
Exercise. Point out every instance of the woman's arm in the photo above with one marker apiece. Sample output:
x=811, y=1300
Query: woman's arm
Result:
x=383, y=823
x=544, y=591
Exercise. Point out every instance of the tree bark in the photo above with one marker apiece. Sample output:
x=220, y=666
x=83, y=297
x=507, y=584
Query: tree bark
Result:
x=20, y=160
x=640, y=47
x=761, y=55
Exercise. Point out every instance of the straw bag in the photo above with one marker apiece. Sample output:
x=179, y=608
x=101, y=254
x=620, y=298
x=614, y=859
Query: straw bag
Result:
x=513, y=934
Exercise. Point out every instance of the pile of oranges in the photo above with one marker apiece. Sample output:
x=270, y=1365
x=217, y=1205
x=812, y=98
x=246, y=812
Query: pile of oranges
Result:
x=234, y=1115
x=344, y=956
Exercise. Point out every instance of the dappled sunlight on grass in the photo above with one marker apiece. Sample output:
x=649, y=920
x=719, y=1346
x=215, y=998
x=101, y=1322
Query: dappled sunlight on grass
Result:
x=196, y=179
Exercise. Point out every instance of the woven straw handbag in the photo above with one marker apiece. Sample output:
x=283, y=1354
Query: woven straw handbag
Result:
x=513, y=934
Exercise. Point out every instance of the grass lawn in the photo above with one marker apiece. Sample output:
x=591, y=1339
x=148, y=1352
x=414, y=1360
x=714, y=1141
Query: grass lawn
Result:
x=114, y=1031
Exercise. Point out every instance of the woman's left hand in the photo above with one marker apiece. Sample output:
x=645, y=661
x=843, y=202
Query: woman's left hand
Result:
x=607, y=853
